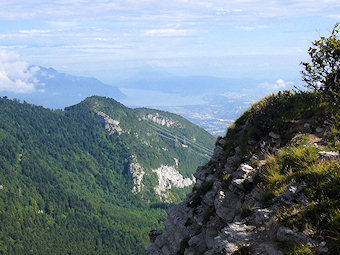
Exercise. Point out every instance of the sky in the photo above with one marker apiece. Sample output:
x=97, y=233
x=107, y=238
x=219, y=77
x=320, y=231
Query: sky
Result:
x=109, y=40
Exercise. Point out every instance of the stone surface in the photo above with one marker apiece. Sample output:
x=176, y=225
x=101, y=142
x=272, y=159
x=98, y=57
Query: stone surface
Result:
x=287, y=235
x=214, y=222
x=260, y=216
x=226, y=205
x=137, y=172
x=238, y=183
x=274, y=135
x=252, y=142
x=290, y=193
x=306, y=126
x=168, y=177
x=329, y=154
x=151, y=249
x=161, y=120
x=111, y=125
x=231, y=237
x=242, y=171
x=154, y=233
x=217, y=154
x=231, y=162
x=209, y=198
x=267, y=248
x=222, y=142
x=319, y=129
x=201, y=173
x=322, y=247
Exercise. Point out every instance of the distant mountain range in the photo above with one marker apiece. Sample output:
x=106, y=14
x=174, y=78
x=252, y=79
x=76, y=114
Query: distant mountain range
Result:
x=210, y=102
x=57, y=90
x=188, y=85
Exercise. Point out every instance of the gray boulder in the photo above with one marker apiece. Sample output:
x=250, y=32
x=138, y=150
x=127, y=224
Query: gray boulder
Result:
x=287, y=235
x=226, y=205
x=231, y=237
x=218, y=154
x=242, y=171
x=274, y=135
x=154, y=233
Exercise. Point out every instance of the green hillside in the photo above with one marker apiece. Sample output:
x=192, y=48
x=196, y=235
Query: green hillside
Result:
x=66, y=179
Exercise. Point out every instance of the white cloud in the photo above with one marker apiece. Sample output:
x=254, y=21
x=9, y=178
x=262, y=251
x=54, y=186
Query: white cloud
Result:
x=100, y=39
x=248, y=27
x=34, y=31
x=168, y=32
x=233, y=95
x=15, y=74
x=279, y=84
x=64, y=11
x=68, y=33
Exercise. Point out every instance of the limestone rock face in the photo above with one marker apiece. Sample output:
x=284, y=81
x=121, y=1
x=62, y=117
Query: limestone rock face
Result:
x=169, y=177
x=111, y=125
x=137, y=172
x=161, y=120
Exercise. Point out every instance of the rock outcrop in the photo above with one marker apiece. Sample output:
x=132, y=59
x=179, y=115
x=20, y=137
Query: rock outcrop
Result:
x=111, y=125
x=161, y=120
x=137, y=172
x=226, y=212
x=169, y=177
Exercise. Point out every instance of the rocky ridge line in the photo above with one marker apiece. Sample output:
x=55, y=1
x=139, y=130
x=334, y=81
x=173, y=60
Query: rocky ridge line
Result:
x=162, y=120
x=216, y=219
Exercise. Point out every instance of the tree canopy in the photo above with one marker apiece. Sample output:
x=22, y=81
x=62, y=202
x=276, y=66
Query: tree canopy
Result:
x=322, y=73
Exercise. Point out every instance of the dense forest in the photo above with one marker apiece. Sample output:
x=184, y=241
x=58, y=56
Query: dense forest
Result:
x=65, y=187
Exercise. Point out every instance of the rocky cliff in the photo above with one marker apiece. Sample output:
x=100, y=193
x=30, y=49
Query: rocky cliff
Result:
x=271, y=187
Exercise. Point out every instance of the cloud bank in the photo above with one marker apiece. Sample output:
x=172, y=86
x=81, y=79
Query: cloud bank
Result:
x=89, y=37
x=15, y=74
x=278, y=85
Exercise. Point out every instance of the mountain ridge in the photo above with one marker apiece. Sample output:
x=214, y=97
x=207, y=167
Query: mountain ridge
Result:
x=271, y=186
x=91, y=168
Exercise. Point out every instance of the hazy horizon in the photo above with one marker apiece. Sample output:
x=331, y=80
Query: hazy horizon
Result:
x=113, y=40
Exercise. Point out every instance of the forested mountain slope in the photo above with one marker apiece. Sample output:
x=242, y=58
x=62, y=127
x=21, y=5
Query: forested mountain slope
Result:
x=92, y=179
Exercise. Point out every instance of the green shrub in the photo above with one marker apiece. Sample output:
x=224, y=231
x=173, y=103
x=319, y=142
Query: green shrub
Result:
x=323, y=74
x=266, y=198
x=297, y=158
x=300, y=250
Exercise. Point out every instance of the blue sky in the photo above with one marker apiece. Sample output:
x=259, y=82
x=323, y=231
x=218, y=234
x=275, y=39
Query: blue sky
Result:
x=265, y=40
